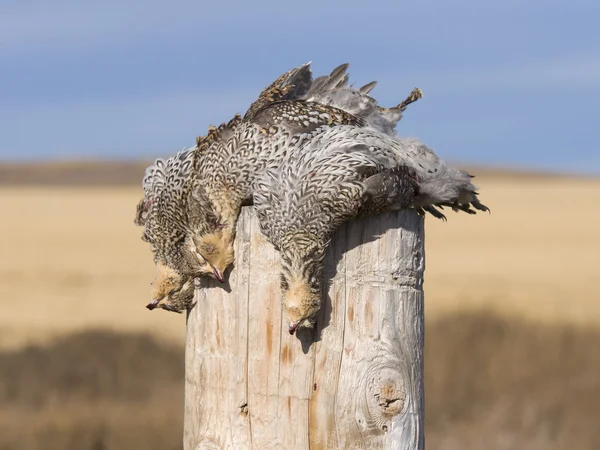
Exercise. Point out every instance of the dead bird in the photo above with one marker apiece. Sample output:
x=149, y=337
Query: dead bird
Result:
x=341, y=173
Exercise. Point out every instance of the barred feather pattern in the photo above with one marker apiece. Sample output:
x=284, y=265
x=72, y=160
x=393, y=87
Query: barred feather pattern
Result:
x=229, y=156
x=169, y=210
x=202, y=189
x=228, y=167
x=290, y=111
x=165, y=185
x=331, y=167
x=344, y=172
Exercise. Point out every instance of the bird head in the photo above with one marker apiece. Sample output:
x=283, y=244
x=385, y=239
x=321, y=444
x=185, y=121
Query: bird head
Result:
x=301, y=303
x=301, y=274
x=171, y=290
x=214, y=252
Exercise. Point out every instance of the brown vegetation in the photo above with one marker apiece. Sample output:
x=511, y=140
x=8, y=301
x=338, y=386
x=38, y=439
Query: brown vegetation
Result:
x=82, y=173
x=500, y=383
x=491, y=383
x=94, y=390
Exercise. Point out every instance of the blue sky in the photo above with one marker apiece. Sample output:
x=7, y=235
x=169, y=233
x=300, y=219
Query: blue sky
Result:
x=511, y=83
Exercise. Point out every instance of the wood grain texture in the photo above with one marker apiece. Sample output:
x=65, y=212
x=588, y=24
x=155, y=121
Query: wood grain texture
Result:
x=355, y=382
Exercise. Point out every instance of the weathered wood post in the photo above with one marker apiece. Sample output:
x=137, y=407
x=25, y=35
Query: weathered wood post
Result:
x=354, y=383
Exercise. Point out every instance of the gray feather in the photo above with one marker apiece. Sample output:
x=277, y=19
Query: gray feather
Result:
x=367, y=87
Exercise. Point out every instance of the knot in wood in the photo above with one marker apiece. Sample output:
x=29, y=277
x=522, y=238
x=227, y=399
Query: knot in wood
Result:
x=386, y=391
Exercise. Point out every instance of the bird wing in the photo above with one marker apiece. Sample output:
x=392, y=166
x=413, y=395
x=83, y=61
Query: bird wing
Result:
x=163, y=208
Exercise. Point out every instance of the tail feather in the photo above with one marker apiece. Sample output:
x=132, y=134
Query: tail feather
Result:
x=415, y=95
x=367, y=87
x=293, y=84
x=333, y=90
x=391, y=116
x=301, y=79
x=337, y=79
x=343, y=82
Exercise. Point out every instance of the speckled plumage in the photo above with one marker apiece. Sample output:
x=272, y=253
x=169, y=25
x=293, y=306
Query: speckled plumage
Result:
x=275, y=126
x=166, y=212
x=190, y=215
x=341, y=173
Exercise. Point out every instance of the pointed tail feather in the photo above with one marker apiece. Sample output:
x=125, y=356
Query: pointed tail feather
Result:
x=394, y=114
x=293, y=84
x=337, y=79
x=367, y=87
x=415, y=95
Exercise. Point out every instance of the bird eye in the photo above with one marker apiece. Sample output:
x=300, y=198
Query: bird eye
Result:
x=283, y=283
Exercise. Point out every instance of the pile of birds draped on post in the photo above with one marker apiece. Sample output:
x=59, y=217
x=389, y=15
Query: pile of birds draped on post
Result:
x=309, y=154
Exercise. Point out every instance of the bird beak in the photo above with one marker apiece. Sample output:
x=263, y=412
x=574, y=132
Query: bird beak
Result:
x=218, y=275
x=152, y=304
x=293, y=326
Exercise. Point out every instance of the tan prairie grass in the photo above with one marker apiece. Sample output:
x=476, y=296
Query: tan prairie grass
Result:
x=71, y=258
x=536, y=254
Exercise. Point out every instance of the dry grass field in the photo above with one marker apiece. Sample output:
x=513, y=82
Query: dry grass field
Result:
x=72, y=258
x=512, y=305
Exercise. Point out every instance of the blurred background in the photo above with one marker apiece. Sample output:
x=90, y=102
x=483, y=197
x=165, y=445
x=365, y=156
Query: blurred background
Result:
x=91, y=92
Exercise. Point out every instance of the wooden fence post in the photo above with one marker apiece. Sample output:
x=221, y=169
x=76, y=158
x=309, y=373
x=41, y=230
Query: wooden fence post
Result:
x=354, y=383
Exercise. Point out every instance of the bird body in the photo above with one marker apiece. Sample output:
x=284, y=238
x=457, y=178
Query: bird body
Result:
x=344, y=172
